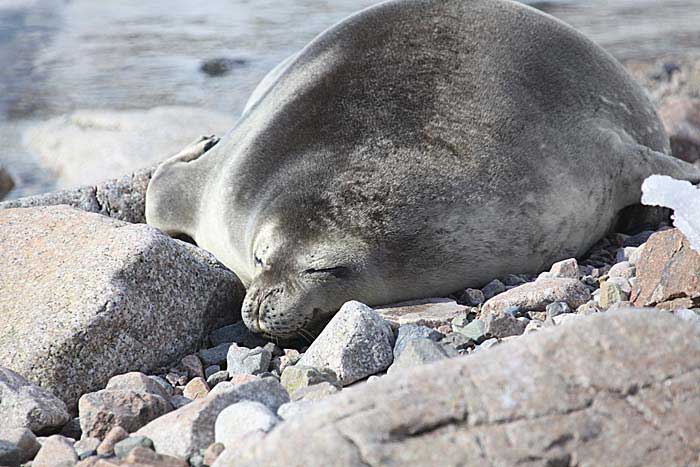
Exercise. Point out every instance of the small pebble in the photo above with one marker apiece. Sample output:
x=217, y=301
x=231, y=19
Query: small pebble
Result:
x=115, y=435
x=493, y=288
x=125, y=446
x=216, y=378
x=196, y=389
x=86, y=447
x=212, y=453
x=557, y=308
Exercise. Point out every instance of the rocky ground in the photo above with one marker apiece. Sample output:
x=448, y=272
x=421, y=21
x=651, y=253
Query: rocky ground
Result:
x=122, y=346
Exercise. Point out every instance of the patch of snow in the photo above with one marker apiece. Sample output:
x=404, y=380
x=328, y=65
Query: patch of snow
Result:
x=682, y=197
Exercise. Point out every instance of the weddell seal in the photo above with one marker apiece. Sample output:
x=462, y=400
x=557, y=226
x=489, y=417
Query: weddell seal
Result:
x=414, y=149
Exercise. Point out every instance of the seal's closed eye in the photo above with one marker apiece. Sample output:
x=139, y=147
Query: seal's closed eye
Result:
x=338, y=271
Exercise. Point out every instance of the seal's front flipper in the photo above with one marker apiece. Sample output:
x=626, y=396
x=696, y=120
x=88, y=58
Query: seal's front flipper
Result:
x=194, y=150
x=172, y=196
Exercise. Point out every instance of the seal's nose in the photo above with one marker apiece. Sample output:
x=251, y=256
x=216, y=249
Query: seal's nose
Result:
x=250, y=311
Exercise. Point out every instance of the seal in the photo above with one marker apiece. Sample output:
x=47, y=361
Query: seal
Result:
x=414, y=149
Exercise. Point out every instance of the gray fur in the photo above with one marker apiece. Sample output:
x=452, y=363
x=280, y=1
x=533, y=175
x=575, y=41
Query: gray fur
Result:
x=423, y=146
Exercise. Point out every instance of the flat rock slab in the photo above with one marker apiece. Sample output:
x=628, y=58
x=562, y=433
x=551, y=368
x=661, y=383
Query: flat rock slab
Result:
x=668, y=272
x=431, y=312
x=122, y=198
x=88, y=297
x=620, y=388
x=535, y=296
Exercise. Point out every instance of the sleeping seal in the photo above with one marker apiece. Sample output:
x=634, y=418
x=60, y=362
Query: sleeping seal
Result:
x=414, y=149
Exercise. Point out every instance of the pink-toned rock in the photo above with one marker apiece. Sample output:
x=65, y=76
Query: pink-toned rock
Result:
x=102, y=410
x=431, y=312
x=115, y=435
x=681, y=120
x=668, y=273
x=242, y=379
x=193, y=365
x=56, y=450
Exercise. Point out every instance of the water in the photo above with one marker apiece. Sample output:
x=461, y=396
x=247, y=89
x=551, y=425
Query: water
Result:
x=57, y=56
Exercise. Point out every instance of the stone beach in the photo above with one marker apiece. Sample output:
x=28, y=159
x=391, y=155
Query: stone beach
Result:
x=121, y=347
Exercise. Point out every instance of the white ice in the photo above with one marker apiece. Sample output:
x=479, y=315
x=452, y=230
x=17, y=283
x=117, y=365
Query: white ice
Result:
x=682, y=197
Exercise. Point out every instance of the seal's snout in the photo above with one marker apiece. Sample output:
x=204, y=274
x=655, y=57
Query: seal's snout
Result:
x=263, y=311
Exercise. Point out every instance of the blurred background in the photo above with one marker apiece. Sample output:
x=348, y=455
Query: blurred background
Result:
x=91, y=89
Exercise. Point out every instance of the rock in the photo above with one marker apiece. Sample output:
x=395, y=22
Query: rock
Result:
x=565, y=269
x=668, y=273
x=622, y=269
x=687, y=315
x=535, y=296
x=9, y=454
x=244, y=361
x=102, y=410
x=97, y=296
x=418, y=352
x=122, y=198
x=294, y=409
x=547, y=398
x=56, y=451
x=472, y=297
x=474, y=330
x=356, y=343
x=503, y=325
x=614, y=290
x=316, y=392
x=210, y=370
x=86, y=447
x=409, y=332
x=457, y=341
x=431, y=312
x=215, y=355
x=144, y=457
x=120, y=141
x=196, y=389
x=681, y=120
x=221, y=66
x=218, y=377
x=193, y=365
x=569, y=318
x=237, y=333
x=72, y=429
x=140, y=383
x=125, y=446
x=23, y=439
x=110, y=440
x=533, y=325
x=241, y=379
x=187, y=430
x=557, y=308
x=239, y=419
x=634, y=256
x=179, y=401
x=212, y=453
x=493, y=288
x=290, y=357
x=163, y=384
x=296, y=377
x=24, y=405
x=6, y=182
x=625, y=253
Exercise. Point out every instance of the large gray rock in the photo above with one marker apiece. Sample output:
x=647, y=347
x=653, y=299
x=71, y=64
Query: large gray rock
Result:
x=355, y=344
x=122, y=198
x=23, y=439
x=87, y=146
x=191, y=428
x=620, y=388
x=88, y=297
x=24, y=405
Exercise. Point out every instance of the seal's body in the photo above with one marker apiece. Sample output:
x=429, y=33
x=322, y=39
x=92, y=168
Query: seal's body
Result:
x=416, y=148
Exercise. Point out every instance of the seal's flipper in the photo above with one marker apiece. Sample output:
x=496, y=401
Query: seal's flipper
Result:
x=172, y=196
x=657, y=163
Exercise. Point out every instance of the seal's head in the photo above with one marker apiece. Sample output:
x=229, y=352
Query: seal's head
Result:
x=298, y=285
